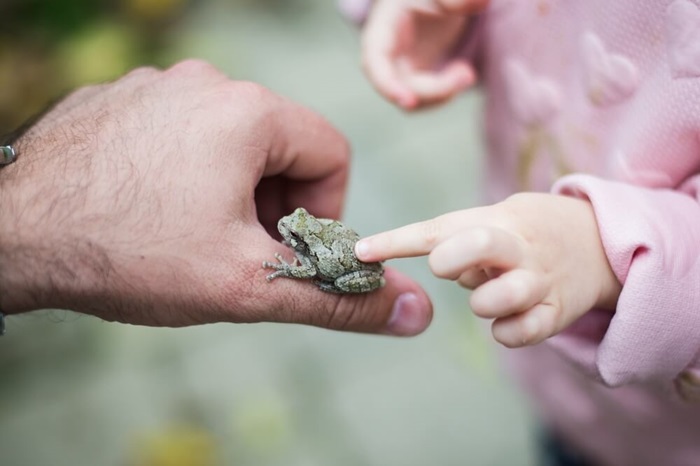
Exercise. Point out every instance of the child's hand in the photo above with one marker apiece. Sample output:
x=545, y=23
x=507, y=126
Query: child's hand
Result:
x=406, y=48
x=535, y=261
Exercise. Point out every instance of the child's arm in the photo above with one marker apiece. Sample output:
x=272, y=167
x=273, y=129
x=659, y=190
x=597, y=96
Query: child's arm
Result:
x=611, y=270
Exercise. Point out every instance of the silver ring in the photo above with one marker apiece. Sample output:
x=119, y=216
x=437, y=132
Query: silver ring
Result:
x=7, y=155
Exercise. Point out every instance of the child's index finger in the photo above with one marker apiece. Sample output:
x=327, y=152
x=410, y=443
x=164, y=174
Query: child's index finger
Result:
x=416, y=239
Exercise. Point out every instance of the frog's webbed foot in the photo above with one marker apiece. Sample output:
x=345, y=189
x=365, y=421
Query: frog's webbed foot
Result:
x=295, y=269
x=281, y=267
x=361, y=281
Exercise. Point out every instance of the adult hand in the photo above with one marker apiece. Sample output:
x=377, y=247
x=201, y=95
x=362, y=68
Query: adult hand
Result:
x=153, y=200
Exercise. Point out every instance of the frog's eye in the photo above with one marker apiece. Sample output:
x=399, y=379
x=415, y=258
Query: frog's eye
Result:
x=295, y=238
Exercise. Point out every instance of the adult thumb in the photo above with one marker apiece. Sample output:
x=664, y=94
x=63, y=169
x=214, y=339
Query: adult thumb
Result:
x=400, y=308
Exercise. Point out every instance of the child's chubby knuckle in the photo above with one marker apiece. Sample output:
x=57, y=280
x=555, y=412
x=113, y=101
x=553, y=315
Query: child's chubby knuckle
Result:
x=482, y=238
x=439, y=267
x=480, y=307
x=431, y=232
x=515, y=292
x=514, y=215
x=530, y=329
x=554, y=320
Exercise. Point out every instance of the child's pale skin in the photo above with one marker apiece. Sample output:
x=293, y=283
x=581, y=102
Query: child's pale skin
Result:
x=535, y=261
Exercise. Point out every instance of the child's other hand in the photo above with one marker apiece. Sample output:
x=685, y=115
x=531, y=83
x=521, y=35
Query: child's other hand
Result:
x=406, y=48
x=535, y=261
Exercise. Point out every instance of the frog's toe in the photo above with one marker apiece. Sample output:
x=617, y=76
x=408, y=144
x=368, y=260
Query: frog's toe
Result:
x=273, y=275
x=270, y=265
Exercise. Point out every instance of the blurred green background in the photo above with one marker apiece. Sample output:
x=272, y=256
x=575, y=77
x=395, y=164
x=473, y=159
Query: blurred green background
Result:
x=77, y=391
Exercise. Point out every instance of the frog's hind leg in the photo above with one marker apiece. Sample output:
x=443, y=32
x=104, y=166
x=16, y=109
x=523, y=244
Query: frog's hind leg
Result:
x=328, y=287
x=361, y=281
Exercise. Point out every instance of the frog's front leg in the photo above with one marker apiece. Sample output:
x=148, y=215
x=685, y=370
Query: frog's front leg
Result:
x=300, y=267
x=361, y=281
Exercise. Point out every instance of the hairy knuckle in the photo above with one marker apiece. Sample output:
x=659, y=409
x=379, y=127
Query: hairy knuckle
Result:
x=252, y=91
x=239, y=104
x=193, y=66
x=252, y=98
x=142, y=72
x=82, y=94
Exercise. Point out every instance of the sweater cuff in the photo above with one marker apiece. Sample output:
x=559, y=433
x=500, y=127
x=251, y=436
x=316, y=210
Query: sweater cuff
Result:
x=651, y=238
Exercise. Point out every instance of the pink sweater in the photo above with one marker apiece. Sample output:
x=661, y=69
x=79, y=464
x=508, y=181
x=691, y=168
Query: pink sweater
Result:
x=601, y=99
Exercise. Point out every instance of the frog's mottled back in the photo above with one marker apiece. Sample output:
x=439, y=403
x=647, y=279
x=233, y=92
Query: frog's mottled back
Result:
x=324, y=251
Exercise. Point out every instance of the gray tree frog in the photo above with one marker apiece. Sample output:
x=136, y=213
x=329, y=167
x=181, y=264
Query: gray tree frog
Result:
x=324, y=251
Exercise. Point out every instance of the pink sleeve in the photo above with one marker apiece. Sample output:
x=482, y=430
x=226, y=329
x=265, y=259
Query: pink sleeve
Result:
x=652, y=240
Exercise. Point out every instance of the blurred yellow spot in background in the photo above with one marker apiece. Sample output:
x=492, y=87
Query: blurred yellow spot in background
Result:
x=262, y=424
x=183, y=445
x=102, y=52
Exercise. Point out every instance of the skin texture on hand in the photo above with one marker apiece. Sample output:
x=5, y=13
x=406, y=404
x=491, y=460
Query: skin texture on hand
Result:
x=407, y=47
x=535, y=262
x=154, y=199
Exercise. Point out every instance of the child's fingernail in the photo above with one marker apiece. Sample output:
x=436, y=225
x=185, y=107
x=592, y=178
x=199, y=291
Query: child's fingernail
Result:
x=408, y=317
x=362, y=249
